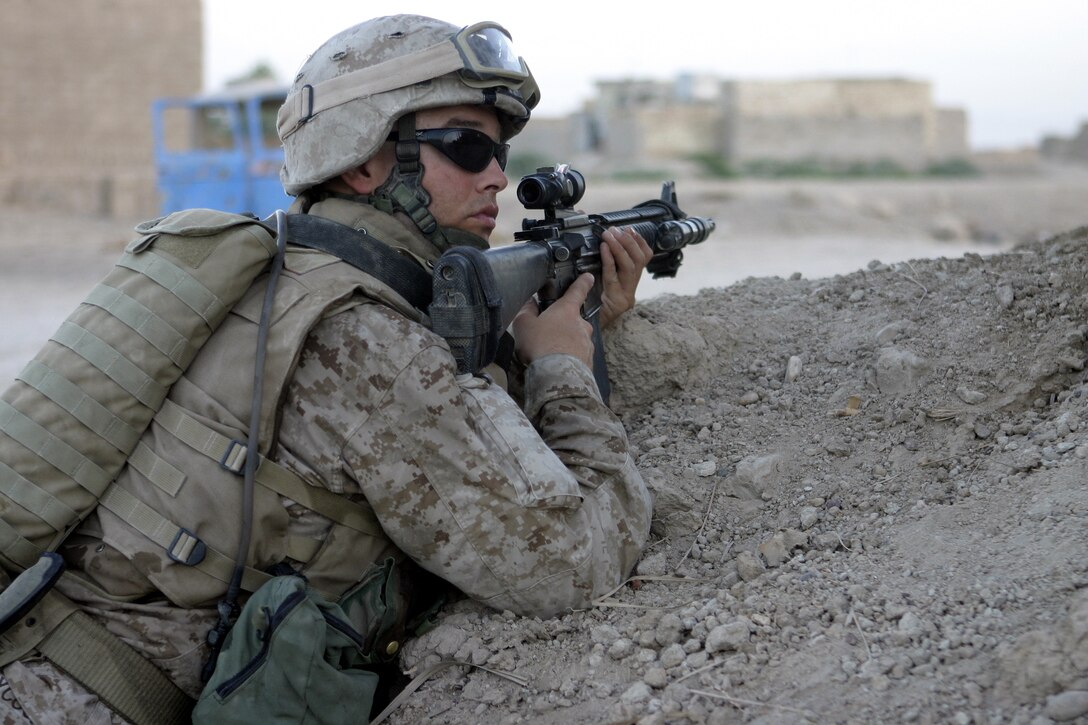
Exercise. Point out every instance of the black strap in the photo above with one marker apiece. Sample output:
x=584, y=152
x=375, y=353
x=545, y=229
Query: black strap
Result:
x=363, y=251
x=504, y=355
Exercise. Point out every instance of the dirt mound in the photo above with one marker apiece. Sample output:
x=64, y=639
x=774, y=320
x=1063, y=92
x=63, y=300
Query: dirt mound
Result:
x=871, y=507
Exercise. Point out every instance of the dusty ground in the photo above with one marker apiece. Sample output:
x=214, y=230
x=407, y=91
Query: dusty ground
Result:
x=870, y=481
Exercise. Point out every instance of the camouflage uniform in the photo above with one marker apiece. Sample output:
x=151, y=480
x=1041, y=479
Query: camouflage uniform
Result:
x=534, y=510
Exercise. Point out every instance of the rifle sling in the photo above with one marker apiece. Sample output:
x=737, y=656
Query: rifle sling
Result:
x=363, y=251
x=366, y=252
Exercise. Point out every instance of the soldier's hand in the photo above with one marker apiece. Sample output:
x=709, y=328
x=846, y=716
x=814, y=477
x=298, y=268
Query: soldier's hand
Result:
x=559, y=329
x=624, y=256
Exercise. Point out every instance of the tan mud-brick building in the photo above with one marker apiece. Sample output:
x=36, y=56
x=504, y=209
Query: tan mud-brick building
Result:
x=77, y=78
x=833, y=124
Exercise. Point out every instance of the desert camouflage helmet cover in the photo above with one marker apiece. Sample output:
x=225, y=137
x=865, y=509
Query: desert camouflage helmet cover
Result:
x=348, y=95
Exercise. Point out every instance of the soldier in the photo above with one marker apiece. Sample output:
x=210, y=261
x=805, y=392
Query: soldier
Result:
x=398, y=126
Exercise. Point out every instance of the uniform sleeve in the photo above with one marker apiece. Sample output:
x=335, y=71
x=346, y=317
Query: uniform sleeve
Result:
x=536, y=511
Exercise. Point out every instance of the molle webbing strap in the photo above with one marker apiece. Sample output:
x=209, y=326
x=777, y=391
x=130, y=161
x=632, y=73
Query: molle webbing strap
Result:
x=356, y=516
x=182, y=545
x=157, y=470
x=146, y=323
x=185, y=287
x=16, y=548
x=53, y=450
x=365, y=252
x=35, y=499
x=111, y=363
x=80, y=405
x=185, y=547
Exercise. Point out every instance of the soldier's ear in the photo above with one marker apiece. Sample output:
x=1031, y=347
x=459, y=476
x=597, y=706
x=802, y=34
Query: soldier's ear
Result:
x=372, y=173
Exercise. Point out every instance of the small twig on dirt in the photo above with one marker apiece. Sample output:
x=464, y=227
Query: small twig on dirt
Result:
x=702, y=526
x=701, y=670
x=738, y=701
x=868, y=652
x=913, y=279
x=628, y=605
x=605, y=599
x=843, y=545
x=655, y=544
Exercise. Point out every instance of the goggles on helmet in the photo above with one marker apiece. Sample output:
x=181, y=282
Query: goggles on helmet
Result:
x=481, y=53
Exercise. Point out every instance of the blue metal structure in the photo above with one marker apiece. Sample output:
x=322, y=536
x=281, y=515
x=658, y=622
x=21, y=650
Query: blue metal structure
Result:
x=220, y=151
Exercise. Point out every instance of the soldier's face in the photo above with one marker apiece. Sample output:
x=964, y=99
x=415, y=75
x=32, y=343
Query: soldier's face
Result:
x=461, y=199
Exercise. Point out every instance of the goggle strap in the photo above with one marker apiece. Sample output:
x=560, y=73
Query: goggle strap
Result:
x=400, y=72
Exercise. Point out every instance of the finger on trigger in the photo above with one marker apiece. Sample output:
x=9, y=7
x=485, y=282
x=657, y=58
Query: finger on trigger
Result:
x=579, y=289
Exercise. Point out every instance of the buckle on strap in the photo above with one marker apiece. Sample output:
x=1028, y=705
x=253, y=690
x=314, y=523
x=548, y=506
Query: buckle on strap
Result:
x=186, y=548
x=234, y=458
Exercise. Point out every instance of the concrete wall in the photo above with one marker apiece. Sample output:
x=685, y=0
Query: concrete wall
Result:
x=682, y=131
x=635, y=124
x=836, y=123
x=831, y=122
x=77, y=78
x=950, y=135
x=548, y=140
x=1067, y=149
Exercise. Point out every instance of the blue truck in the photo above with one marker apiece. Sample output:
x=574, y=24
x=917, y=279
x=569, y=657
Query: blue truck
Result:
x=220, y=151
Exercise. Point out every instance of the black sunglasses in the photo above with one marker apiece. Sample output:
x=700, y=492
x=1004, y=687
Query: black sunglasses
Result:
x=470, y=149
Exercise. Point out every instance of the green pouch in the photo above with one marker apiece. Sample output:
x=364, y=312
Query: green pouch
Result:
x=294, y=657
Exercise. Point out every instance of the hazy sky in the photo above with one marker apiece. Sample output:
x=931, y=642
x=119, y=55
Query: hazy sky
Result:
x=1017, y=66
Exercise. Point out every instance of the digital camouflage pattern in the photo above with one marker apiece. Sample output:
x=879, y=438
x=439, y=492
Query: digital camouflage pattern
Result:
x=536, y=509
x=35, y=692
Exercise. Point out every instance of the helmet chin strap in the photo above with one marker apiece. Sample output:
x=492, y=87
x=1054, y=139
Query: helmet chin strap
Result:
x=403, y=191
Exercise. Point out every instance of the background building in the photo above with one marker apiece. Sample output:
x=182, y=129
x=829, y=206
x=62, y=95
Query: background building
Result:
x=830, y=124
x=1067, y=149
x=77, y=80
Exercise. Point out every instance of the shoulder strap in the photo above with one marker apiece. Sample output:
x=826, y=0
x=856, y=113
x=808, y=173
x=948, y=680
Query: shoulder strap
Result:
x=130, y=684
x=363, y=251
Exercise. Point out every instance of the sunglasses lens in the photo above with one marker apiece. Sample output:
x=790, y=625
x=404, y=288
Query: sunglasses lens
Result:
x=470, y=149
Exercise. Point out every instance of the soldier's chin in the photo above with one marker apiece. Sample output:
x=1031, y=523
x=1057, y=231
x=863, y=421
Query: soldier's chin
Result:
x=482, y=230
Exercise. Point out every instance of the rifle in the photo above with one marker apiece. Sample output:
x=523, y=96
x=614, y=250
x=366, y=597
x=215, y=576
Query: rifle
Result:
x=477, y=293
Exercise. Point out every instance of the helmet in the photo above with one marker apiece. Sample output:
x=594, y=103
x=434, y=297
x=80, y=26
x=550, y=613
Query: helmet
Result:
x=349, y=95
